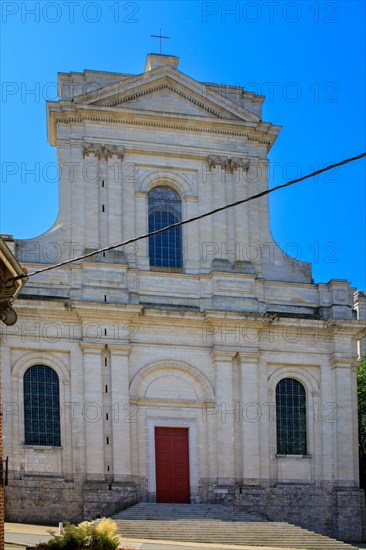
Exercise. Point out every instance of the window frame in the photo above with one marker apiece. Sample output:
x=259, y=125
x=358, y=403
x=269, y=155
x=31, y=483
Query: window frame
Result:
x=50, y=436
x=157, y=242
x=303, y=444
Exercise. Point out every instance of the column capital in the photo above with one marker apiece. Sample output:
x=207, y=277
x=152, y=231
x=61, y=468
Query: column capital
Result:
x=248, y=356
x=223, y=354
x=119, y=349
x=92, y=347
x=338, y=360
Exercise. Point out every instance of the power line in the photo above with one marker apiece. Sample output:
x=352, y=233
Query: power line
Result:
x=190, y=220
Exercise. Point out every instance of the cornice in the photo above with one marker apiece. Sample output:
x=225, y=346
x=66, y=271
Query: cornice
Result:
x=354, y=328
x=215, y=314
x=92, y=311
x=209, y=126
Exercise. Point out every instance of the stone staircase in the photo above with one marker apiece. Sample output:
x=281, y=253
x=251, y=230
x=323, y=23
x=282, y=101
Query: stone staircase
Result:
x=212, y=523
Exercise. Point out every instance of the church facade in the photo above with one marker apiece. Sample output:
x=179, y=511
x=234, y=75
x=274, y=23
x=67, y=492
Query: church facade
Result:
x=201, y=364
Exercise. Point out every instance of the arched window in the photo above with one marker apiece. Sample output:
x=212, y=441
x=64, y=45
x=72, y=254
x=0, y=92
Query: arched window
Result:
x=165, y=208
x=291, y=417
x=41, y=406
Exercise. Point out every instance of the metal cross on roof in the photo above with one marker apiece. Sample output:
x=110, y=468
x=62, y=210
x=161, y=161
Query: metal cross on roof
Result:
x=160, y=37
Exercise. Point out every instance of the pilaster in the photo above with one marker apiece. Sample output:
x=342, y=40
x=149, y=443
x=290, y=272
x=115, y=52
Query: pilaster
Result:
x=250, y=414
x=121, y=429
x=226, y=412
x=346, y=417
x=142, y=227
x=93, y=411
x=113, y=184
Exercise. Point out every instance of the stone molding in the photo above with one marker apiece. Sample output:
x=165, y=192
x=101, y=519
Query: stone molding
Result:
x=222, y=354
x=139, y=92
x=92, y=347
x=41, y=358
x=81, y=117
x=119, y=349
x=147, y=374
x=298, y=372
x=343, y=361
x=178, y=181
x=102, y=151
x=229, y=164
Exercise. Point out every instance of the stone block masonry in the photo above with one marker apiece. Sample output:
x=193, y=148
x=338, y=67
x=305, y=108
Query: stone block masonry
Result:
x=53, y=500
x=325, y=509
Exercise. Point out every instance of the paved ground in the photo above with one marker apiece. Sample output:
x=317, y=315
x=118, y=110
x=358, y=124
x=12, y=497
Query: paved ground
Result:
x=19, y=535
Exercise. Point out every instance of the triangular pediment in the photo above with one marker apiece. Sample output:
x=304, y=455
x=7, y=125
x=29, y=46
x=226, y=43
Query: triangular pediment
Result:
x=165, y=89
x=169, y=100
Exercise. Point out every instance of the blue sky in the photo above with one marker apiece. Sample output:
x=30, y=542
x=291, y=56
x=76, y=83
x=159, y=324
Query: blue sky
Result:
x=307, y=57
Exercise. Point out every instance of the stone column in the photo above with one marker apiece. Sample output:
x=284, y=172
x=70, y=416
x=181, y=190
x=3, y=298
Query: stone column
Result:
x=226, y=413
x=122, y=416
x=93, y=411
x=250, y=415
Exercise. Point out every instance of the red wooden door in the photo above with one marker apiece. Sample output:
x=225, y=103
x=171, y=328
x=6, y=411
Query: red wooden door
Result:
x=172, y=465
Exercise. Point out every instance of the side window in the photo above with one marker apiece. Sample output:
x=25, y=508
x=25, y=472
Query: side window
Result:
x=291, y=417
x=165, y=208
x=41, y=406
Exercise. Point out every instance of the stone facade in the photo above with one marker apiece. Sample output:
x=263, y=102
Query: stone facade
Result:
x=201, y=347
x=9, y=268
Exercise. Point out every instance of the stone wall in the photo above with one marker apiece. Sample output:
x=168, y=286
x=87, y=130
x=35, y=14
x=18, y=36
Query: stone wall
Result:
x=333, y=511
x=46, y=500
x=104, y=499
x=53, y=500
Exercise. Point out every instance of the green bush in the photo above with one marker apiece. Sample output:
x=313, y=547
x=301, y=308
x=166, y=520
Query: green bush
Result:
x=99, y=535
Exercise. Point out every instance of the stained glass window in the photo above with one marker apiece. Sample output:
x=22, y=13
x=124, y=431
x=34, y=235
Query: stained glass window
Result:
x=165, y=208
x=291, y=417
x=41, y=406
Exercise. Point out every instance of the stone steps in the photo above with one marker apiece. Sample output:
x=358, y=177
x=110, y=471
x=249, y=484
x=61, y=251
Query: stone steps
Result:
x=206, y=523
x=166, y=511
